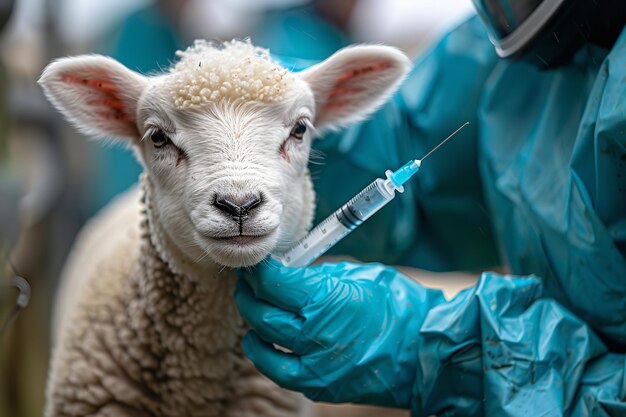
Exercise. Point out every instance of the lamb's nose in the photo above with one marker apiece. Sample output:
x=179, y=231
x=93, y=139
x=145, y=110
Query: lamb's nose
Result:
x=237, y=207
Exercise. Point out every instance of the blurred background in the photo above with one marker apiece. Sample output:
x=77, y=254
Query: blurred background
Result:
x=52, y=179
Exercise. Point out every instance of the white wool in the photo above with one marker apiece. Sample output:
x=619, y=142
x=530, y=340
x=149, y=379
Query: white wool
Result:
x=133, y=338
x=237, y=70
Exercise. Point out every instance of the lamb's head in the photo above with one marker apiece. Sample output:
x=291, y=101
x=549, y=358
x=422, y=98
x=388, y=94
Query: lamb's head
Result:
x=224, y=136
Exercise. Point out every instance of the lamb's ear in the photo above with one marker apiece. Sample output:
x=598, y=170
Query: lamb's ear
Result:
x=353, y=82
x=97, y=94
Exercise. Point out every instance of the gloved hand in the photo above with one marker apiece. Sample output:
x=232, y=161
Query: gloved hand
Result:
x=352, y=329
x=367, y=334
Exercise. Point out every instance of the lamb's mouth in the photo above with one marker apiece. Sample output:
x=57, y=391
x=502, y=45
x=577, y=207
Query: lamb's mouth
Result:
x=242, y=239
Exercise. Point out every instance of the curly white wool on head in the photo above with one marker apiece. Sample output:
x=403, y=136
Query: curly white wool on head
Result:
x=233, y=70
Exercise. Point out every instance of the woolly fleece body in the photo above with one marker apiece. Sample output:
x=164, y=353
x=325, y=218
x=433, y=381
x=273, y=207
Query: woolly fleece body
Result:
x=144, y=341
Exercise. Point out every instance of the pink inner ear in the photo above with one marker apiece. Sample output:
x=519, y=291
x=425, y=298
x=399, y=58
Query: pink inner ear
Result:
x=349, y=75
x=338, y=91
x=348, y=84
x=106, y=102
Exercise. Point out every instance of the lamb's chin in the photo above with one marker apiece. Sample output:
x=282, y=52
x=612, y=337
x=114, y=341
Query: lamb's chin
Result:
x=241, y=251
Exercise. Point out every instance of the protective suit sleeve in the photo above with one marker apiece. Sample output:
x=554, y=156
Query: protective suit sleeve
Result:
x=500, y=349
x=440, y=222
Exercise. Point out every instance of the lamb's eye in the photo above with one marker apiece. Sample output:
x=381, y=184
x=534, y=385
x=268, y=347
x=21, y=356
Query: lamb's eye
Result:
x=298, y=130
x=159, y=138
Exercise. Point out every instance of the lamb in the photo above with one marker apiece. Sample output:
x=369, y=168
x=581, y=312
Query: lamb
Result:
x=145, y=322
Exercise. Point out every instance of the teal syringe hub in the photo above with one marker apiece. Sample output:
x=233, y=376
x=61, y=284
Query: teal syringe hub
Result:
x=404, y=173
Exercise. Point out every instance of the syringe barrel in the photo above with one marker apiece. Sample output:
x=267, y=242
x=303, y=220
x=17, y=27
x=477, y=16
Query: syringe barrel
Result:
x=316, y=243
x=363, y=205
x=339, y=224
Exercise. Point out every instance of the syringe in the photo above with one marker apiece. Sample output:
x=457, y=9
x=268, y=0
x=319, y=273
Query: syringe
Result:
x=349, y=216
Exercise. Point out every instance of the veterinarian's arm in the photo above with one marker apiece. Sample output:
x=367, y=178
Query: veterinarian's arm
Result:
x=367, y=334
x=444, y=202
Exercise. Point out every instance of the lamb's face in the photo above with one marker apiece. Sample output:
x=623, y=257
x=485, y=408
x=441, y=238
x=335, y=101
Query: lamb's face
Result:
x=225, y=136
x=231, y=176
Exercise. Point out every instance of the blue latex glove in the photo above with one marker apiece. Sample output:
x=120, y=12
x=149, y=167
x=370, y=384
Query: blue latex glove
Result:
x=367, y=334
x=352, y=329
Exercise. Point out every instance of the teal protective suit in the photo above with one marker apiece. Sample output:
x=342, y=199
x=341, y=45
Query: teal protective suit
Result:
x=536, y=183
x=537, y=180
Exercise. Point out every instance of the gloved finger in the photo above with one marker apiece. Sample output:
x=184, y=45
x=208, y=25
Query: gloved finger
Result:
x=283, y=368
x=272, y=324
x=284, y=287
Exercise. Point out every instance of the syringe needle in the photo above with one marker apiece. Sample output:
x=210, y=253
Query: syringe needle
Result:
x=442, y=142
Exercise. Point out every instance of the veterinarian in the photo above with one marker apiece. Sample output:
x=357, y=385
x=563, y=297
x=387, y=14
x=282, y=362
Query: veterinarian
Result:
x=537, y=183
